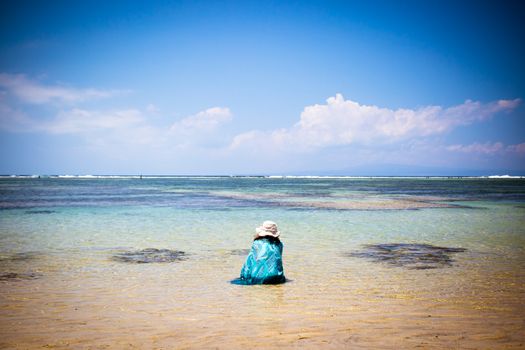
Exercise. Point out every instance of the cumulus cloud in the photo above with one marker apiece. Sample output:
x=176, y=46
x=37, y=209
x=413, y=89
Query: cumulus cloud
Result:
x=34, y=92
x=245, y=137
x=206, y=120
x=201, y=130
x=344, y=122
x=28, y=105
x=194, y=129
x=488, y=148
x=151, y=108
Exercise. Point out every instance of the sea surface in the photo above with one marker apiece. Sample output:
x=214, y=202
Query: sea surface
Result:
x=146, y=263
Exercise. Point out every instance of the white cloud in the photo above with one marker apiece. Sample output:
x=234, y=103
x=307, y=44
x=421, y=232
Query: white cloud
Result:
x=344, y=122
x=81, y=120
x=18, y=93
x=71, y=121
x=241, y=139
x=200, y=130
x=519, y=148
x=31, y=91
x=151, y=108
x=482, y=148
x=126, y=125
x=488, y=148
x=206, y=120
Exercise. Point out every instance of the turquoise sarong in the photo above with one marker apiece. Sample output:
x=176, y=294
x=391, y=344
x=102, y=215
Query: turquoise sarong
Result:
x=264, y=264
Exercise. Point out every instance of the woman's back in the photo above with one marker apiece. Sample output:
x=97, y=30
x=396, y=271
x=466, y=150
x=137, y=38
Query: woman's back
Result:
x=264, y=264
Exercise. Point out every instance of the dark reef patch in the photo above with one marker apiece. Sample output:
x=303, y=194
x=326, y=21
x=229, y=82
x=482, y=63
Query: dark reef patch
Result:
x=408, y=255
x=240, y=251
x=24, y=256
x=40, y=211
x=150, y=255
x=13, y=276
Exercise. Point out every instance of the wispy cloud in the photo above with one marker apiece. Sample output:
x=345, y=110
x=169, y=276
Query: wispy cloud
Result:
x=34, y=92
x=14, y=120
x=81, y=120
x=518, y=148
x=28, y=105
x=72, y=121
x=124, y=128
x=488, y=148
x=344, y=122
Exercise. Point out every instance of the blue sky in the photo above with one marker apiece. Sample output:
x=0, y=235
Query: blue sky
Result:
x=262, y=87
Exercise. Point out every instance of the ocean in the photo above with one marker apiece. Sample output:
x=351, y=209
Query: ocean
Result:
x=146, y=262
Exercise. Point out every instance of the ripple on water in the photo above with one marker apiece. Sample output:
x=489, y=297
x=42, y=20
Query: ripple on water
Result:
x=150, y=255
x=408, y=255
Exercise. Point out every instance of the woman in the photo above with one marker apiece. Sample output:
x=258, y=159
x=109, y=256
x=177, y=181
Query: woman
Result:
x=264, y=264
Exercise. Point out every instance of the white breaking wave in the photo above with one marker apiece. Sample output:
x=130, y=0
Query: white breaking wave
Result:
x=505, y=177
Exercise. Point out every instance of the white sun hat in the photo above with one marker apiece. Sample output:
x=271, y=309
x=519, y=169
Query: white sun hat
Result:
x=268, y=228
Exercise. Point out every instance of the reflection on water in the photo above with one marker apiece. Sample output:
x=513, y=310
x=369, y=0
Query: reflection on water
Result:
x=63, y=283
x=409, y=255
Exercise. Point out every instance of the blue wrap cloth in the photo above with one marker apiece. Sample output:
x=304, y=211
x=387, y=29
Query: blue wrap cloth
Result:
x=264, y=264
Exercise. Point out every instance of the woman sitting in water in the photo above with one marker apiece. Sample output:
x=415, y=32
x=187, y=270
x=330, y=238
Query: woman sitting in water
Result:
x=264, y=264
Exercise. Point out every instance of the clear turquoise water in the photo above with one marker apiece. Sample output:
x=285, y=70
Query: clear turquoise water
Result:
x=201, y=214
x=71, y=227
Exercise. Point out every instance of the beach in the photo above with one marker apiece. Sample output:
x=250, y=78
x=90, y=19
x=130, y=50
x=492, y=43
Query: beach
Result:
x=382, y=263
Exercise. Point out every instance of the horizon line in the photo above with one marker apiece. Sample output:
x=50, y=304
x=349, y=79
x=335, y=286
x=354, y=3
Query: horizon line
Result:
x=270, y=176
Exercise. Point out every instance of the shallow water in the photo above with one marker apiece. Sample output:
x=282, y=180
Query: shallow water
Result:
x=63, y=287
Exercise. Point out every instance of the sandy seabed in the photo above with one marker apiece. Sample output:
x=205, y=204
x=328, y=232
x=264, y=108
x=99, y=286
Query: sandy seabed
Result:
x=97, y=303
